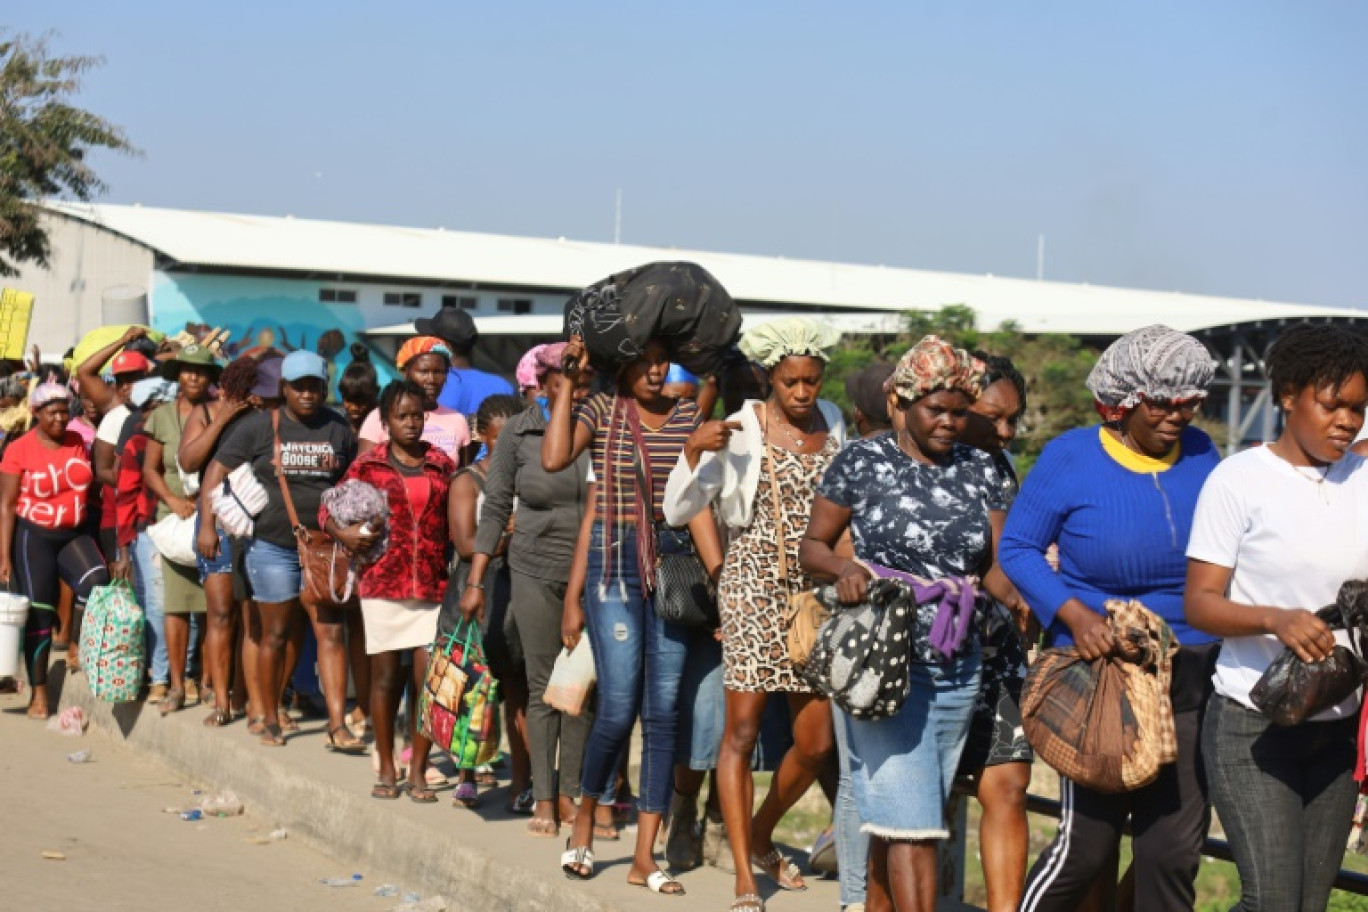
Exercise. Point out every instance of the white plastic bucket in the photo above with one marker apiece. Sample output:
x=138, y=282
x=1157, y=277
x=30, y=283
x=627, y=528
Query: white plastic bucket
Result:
x=13, y=614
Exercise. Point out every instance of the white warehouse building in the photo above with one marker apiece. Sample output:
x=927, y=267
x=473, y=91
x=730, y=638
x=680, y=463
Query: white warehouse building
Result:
x=287, y=283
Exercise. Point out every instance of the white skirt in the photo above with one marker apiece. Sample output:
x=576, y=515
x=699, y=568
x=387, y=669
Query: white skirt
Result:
x=403, y=624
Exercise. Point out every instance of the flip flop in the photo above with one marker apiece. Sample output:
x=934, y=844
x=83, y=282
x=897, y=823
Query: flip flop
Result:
x=657, y=881
x=422, y=795
x=174, y=702
x=386, y=791
x=779, y=869
x=218, y=718
x=748, y=902
x=543, y=827
x=354, y=746
x=607, y=831
x=272, y=736
x=575, y=861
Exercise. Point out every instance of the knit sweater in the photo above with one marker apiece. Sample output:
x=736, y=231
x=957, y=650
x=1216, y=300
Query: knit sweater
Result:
x=1121, y=522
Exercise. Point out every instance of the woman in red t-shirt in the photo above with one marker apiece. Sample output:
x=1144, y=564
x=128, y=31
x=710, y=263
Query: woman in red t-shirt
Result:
x=45, y=481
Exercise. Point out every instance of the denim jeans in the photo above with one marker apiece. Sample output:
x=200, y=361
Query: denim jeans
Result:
x=1285, y=796
x=852, y=846
x=921, y=745
x=640, y=660
x=147, y=585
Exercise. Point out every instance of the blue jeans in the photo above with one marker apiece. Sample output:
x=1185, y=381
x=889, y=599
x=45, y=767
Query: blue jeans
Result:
x=921, y=745
x=852, y=846
x=147, y=585
x=640, y=660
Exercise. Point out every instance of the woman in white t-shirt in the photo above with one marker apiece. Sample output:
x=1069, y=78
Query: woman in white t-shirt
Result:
x=1278, y=529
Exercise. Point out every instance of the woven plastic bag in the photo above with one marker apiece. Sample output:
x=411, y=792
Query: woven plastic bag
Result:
x=459, y=706
x=572, y=677
x=112, y=650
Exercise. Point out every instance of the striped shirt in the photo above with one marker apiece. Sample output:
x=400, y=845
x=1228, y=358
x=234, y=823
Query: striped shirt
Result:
x=663, y=446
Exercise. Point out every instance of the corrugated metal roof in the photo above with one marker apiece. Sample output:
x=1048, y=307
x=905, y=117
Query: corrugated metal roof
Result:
x=253, y=242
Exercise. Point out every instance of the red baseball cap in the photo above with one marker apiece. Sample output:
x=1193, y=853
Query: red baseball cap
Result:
x=130, y=362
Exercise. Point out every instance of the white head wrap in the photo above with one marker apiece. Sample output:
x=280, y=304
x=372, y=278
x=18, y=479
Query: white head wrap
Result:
x=769, y=343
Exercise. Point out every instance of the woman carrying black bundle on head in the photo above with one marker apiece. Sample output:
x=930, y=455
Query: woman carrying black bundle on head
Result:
x=1279, y=528
x=635, y=436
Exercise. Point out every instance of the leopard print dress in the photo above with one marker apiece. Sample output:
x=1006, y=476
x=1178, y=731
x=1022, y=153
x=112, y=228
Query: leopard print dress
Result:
x=751, y=595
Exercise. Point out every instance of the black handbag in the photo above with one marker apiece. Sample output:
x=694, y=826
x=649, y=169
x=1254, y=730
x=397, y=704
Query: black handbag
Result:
x=1291, y=691
x=684, y=593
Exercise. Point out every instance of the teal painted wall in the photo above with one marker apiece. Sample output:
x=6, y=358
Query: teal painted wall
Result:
x=284, y=314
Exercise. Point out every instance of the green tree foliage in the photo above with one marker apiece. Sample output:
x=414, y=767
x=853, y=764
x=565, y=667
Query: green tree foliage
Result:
x=44, y=143
x=1055, y=368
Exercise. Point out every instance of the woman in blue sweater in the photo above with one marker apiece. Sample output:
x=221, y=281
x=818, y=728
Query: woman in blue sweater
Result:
x=1119, y=500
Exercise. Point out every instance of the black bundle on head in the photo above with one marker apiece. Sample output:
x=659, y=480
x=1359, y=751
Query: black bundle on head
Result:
x=1316, y=355
x=396, y=390
x=359, y=381
x=238, y=378
x=1000, y=368
x=495, y=407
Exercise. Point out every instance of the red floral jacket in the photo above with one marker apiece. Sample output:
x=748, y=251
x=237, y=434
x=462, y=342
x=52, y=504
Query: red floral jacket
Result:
x=414, y=566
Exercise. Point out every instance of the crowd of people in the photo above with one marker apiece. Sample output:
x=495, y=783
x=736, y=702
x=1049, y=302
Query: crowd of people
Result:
x=544, y=512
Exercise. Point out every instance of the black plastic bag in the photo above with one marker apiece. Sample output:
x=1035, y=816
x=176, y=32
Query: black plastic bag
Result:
x=681, y=304
x=1291, y=691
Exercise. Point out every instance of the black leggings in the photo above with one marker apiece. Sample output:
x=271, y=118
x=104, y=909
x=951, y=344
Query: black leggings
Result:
x=42, y=559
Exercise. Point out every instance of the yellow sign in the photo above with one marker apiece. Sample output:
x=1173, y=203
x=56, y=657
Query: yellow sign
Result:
x=16, y=312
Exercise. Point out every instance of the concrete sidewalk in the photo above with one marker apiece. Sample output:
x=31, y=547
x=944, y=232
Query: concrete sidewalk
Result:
x=482, y=860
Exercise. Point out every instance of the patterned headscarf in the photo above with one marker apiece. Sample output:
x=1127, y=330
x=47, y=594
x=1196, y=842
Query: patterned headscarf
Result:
x=769, y=343
x=1150, y=363
x=933, y=365
x=47, y=392
x=527, y=374
x=421, y=345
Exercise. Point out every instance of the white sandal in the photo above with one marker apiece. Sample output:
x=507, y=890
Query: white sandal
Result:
x=573, y=860
x=656, y=882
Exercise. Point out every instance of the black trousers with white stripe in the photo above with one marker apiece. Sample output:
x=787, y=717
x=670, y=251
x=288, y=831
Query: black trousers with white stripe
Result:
x=1168, y=817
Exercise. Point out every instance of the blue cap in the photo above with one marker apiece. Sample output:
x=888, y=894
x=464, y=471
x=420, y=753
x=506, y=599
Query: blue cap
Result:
x=677, y=374
x=300, y=364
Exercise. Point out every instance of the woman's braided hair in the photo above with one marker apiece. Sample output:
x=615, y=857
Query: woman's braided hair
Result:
x=495, y=407
x=1316, y=355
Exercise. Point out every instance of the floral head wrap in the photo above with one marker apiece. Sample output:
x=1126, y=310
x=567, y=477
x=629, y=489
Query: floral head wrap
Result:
x=528, y=374
x=421, y=345
x=1150, y=363
x=47, y=392
x=933, y=365
x=769, y=343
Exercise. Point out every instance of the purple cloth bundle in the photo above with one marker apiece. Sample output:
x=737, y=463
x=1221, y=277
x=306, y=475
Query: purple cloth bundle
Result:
x=955, y=599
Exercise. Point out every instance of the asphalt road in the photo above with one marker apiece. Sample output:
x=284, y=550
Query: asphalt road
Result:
x=123, y=851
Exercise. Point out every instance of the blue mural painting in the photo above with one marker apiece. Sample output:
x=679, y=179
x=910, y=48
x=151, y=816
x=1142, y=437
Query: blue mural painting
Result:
x=283, y=315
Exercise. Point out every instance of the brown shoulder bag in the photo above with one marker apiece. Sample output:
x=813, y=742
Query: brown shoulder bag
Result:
x=325, y=567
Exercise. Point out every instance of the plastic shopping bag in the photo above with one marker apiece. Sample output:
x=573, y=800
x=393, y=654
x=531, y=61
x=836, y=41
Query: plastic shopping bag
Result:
x=572, y=677
x=459, y=706
x=112, y=650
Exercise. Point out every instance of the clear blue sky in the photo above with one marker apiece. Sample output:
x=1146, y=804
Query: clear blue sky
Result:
x=1215, y=147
